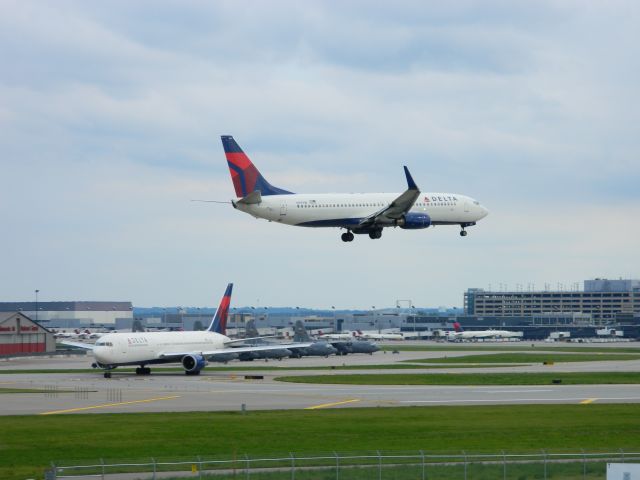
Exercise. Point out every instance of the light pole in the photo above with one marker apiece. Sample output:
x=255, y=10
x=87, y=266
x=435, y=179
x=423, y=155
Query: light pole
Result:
x=375, y=321
x=335, y=322
x=37, y=291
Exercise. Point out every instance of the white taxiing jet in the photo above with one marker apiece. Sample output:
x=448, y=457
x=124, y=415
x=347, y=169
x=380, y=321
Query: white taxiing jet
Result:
x=191, y=349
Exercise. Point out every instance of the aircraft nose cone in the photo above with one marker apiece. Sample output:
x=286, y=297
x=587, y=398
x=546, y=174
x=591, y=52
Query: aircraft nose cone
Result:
x=483, y=211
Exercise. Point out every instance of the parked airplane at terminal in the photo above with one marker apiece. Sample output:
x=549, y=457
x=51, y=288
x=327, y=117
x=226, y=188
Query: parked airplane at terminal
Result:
x=361, y=213
x=318, y=348
x=373, y=335
x=191, y=349
x=252, y=338
x=461, y=334
x=346, y=336
x=348, y=342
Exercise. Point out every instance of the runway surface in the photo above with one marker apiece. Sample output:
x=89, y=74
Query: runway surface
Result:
x=78, y=392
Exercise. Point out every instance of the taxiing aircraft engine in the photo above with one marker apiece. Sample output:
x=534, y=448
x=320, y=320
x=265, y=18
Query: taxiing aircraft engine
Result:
x=192, y=364
x=414, y=221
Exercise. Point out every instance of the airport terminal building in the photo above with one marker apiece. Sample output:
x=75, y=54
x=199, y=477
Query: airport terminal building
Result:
x=601, y=302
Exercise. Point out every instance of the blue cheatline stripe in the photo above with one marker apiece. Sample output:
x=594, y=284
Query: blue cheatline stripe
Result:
x=334, y=222
x=240, y=172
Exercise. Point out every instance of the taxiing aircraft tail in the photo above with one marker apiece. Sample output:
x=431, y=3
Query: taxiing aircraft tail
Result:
x=457, y=327
x=219, y=322
x=251, y=331
x=244, y=174
x=300, y=333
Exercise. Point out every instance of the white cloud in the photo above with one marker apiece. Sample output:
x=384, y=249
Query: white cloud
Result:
x=110, y=116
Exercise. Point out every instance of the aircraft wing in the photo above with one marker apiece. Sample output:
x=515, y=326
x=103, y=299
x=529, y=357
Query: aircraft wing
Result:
x=221, y=351
x=86, y=346
x=240, y=340
x=396, y=209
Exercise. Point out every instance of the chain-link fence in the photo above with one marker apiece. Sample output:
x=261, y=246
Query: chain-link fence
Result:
x=379, y=465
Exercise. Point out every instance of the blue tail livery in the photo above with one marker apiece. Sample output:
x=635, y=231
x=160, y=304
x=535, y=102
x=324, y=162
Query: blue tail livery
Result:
x=219, y=322
x=244, y=174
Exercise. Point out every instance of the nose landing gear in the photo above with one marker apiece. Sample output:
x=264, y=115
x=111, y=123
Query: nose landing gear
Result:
x=463, y=232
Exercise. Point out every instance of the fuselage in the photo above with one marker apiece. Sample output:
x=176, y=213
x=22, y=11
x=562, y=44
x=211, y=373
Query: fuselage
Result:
x=348, y=210
x=485, y=334
x=136, y=348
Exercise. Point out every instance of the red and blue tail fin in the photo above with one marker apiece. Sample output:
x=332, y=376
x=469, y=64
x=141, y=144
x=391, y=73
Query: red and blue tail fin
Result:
x=244, y=174
x=219, y=322
x=457, y=327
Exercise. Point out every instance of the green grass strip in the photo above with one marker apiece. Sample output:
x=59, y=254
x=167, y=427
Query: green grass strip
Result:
x=29, y=443
x=31, y=390
x=530, y=358
x=514, y=347
x=523, y=378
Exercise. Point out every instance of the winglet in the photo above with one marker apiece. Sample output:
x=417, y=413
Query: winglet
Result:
x=410, y=183
x=219, y=322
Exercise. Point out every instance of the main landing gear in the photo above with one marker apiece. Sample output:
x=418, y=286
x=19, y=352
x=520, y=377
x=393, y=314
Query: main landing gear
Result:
x=107, y=374
x=463, y=232
x=143, y=371
x=375, y=234
x=347, y=237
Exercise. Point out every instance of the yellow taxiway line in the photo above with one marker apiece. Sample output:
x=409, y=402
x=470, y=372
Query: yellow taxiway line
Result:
x=588, y=401
x=69, y=410
x=325, y=405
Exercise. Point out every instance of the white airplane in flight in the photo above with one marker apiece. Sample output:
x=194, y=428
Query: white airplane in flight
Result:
x=191, y=349
x=355, y=212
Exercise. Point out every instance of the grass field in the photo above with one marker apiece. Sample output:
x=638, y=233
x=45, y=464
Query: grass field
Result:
x=29, y=390
x=513, y=347
x=29, y=443
x=522, y=378
x=527, y=357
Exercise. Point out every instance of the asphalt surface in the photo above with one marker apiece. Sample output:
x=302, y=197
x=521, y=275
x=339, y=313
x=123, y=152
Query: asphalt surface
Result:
x=214, y=390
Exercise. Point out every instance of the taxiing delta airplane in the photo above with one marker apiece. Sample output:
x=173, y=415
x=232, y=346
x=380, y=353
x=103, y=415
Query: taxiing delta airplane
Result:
x=191, y=349
x=355, y=212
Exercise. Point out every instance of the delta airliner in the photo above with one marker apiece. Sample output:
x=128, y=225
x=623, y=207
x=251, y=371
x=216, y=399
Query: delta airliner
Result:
x=360, y=213
x=191, y=349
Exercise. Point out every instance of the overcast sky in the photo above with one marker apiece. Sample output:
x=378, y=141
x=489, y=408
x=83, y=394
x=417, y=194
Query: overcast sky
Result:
x=111, y=112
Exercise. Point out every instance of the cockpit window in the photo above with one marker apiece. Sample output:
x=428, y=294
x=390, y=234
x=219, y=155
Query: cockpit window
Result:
x=104, y=344
x=475, y=202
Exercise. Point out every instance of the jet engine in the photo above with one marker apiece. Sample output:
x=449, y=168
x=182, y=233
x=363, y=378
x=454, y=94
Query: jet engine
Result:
x=192, y=364
x=414, y=221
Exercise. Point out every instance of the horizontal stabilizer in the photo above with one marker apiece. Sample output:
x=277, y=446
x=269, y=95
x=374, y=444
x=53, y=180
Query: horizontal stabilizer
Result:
x=253, y=197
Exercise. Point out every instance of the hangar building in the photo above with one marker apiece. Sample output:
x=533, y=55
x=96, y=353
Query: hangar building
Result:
x=20, y=334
